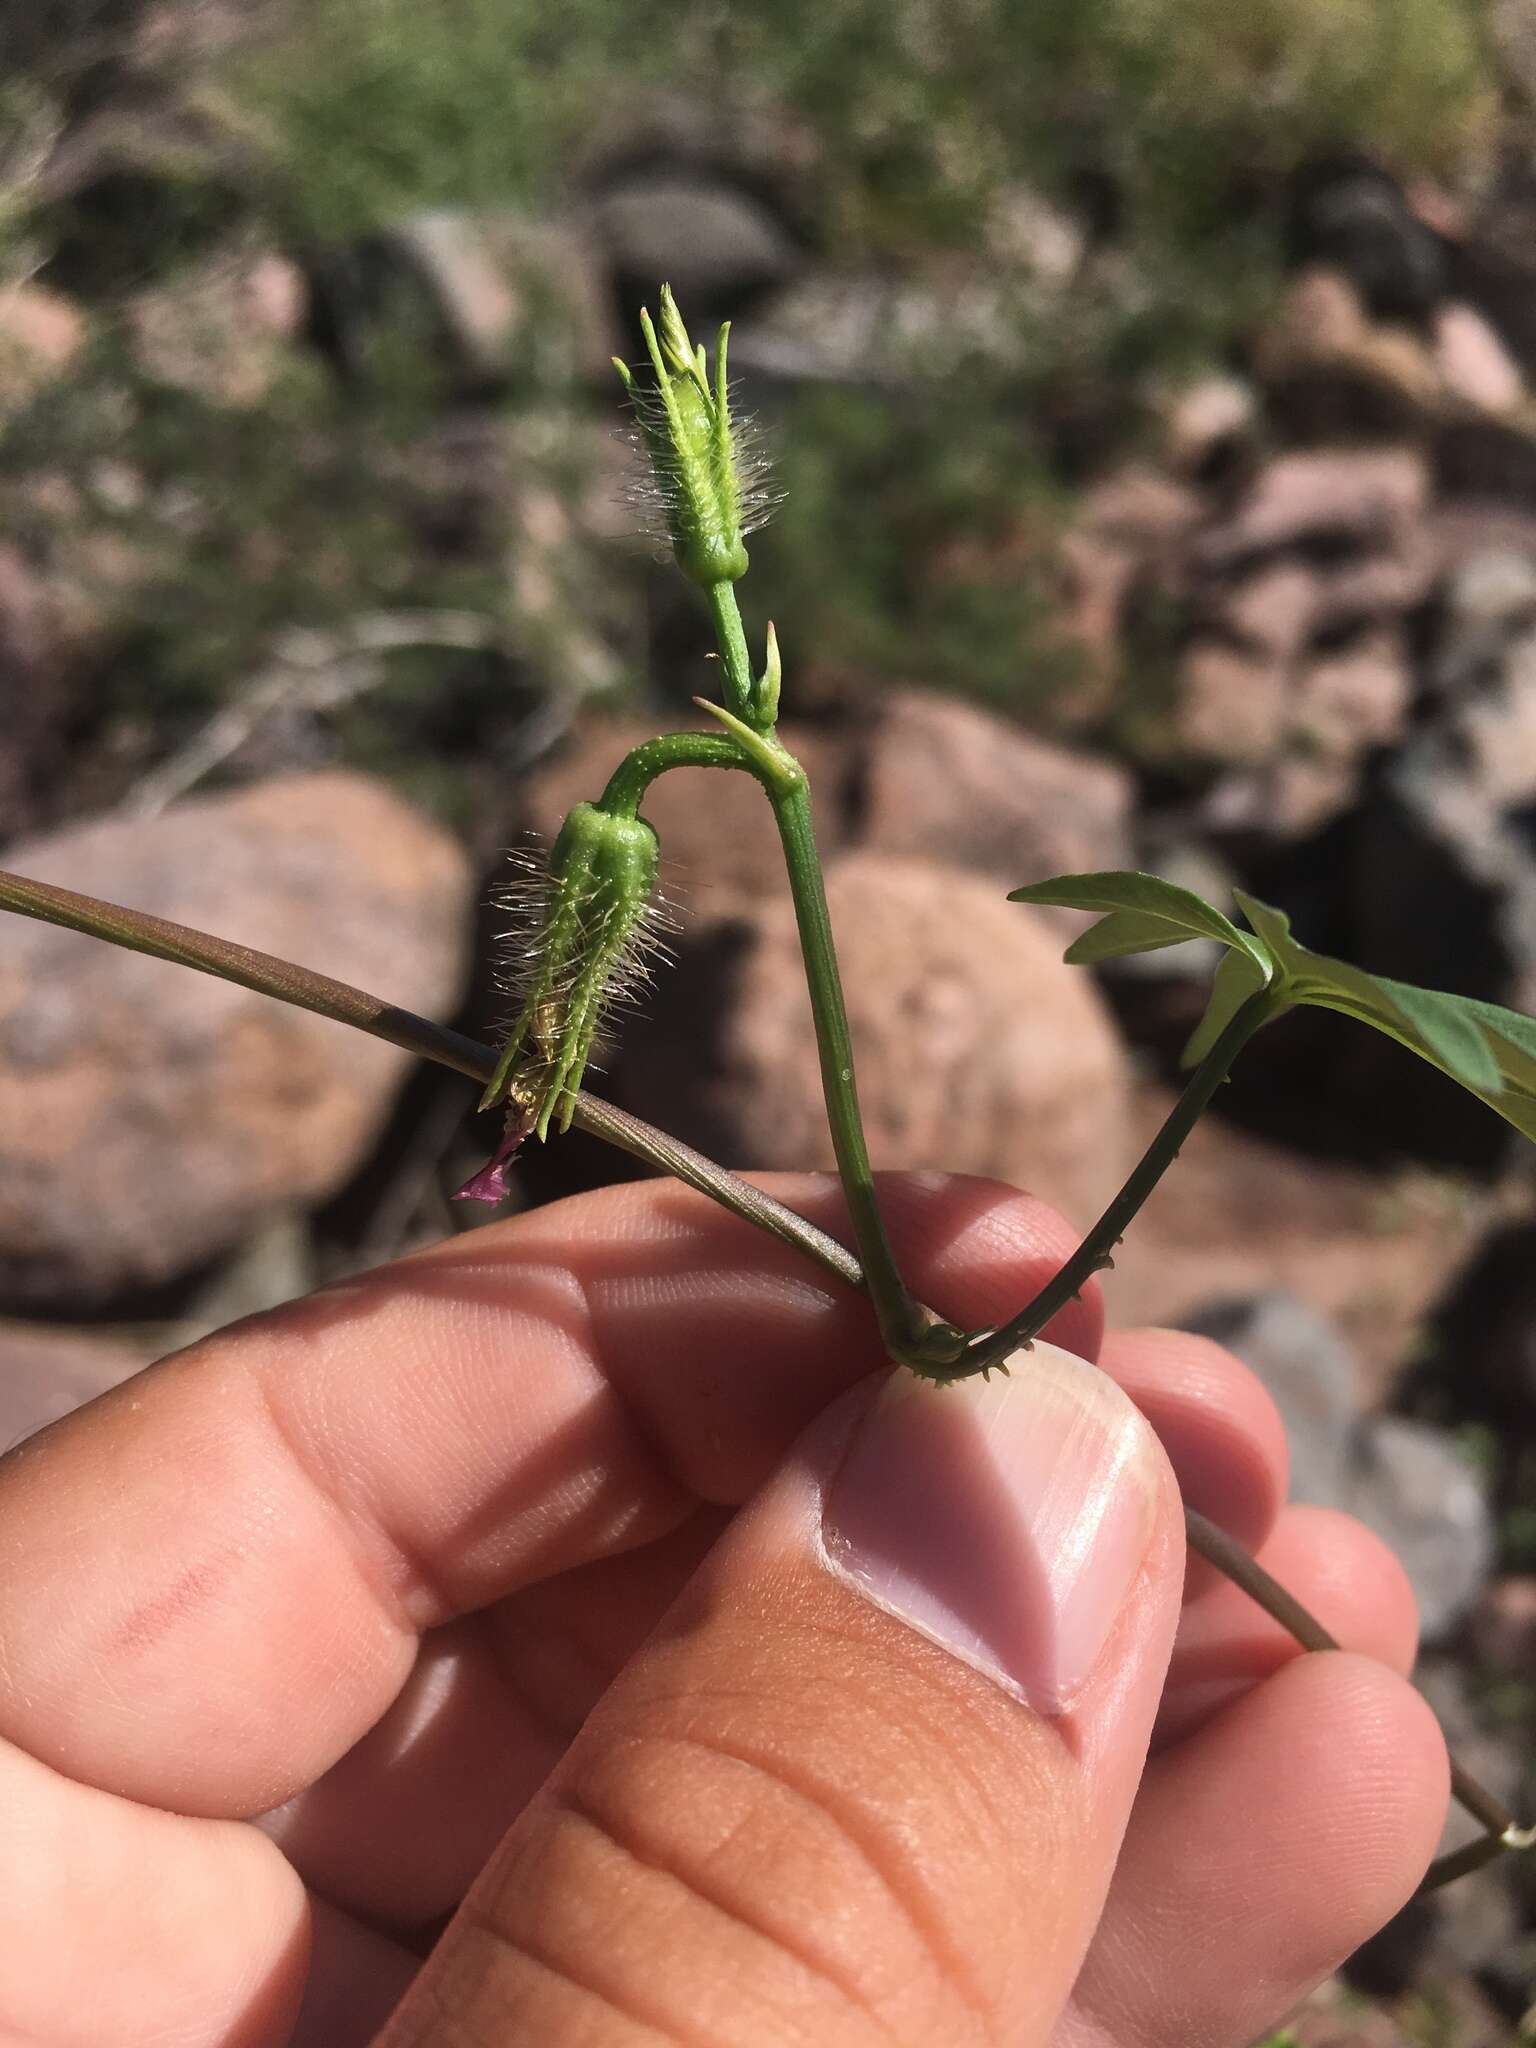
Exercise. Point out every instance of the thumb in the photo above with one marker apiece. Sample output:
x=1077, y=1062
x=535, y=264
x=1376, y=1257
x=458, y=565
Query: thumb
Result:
x=867, y=1782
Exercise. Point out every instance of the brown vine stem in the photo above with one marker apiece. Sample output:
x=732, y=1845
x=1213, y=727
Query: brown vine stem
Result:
x=267, y=975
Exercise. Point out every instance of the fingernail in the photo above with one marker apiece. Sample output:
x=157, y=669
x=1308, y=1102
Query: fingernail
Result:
x=1006, y=1519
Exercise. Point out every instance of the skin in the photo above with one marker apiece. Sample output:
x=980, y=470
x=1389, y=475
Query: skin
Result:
x=476, y=1587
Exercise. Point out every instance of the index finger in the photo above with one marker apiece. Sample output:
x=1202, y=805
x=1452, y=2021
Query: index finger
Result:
x=212, y=1581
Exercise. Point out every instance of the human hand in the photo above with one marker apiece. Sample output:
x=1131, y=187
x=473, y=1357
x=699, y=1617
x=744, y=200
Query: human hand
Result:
x=554, y=1579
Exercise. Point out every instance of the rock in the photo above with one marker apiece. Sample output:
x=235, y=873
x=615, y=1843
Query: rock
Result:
x=512, y=289
x=1320, y=316
x=1302, y=738
x=1208, y=424
x=1031, y=235
x=1275, y=610
x=562, y=316
x=1297, y=667
x=275, y=1264
x=943, y=779
x=1474, y=363
x=1141, y=511
x=1352, y=216
x=1233, y=707
x=1312, y=1374
x=1353, y=700
x=222, y=329
x=1492, y=461
x=1239, y=1216
x=1289, y=798
x=1131, y=532
x=1405, y=1481
x=979, y=1051
x=1503, y=1628
x=41, y=335
x=868, y=328
x=1331, y=373
x=48, y=1372
x=715, y=242
x=151, y=1117
x=1427, y=1503
x=472, y=295
x=1444, y=884
x=1323, y=504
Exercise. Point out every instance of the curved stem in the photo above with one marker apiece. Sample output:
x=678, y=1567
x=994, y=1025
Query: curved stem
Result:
x=1097, y=1249
x=640, y=767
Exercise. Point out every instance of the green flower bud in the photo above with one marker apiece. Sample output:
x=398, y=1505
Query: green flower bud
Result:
x=704, y=477
x=597, y=924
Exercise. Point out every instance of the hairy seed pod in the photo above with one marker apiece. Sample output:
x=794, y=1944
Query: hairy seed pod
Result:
x=703, y=479
x=599, y=924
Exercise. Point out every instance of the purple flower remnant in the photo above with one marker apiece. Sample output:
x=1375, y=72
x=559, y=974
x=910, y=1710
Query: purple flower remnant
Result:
x=490, y=1184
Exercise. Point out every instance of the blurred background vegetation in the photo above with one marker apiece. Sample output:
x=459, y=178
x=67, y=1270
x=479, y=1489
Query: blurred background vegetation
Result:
x=408, y=234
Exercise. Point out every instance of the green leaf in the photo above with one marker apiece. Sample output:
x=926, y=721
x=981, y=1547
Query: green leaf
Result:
x=1237, y=978
x=1456, y=1040
x=1490, y=1051
x=1142, y=914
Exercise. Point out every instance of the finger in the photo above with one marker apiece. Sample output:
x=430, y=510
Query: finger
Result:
x=1218, y=1424
x=867, y=1781
x=115, y=1917
x=216, y=1575
x=490, y=1708
x=1261, y=1853
x=463, y=1748
x=1346, y=1576
x=356, y=1979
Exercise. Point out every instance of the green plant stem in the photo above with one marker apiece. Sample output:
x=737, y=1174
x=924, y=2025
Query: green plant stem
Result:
x=640, y=767
x=910, y=1331
x=286, y=982
x=1096, y=1251
x=735, y=661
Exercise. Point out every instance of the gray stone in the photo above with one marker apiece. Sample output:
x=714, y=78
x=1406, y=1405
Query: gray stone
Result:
x=1411, y=1485
x=711, y=241
x=474, y=293
x=1312, y=1376
x=867, y=328
x=1404, y=1480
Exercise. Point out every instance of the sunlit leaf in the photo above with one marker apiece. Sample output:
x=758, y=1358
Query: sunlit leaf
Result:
x=1237, y=978
x=1142, y=914
x=1490, y=1051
